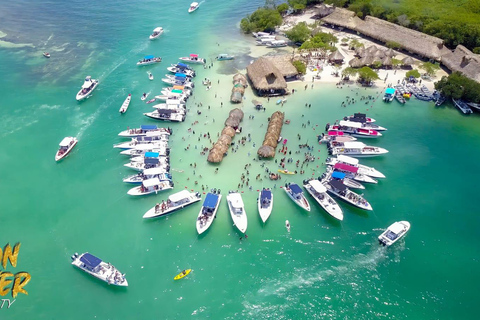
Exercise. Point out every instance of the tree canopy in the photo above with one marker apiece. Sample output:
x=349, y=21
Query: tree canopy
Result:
x=300, y=66
x=457, y=86
x=263, y=19
x=367, y=75
x=412, y=73
x=297, y=4
x=299, y=33
x=430, y=68
x=321, y=40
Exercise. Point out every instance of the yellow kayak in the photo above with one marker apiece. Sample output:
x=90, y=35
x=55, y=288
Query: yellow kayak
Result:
x=182, y=274
x=286, y=171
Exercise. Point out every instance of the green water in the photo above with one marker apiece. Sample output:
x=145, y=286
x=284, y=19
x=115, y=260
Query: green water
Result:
x=322, y=269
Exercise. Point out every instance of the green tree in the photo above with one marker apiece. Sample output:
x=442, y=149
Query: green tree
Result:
x=300, y=66
x=430, y=68
x=299, y=33
x=354, y=44
x=457, y=86
x=297, y=5
x=348, y=72
x=412, y=73
x=393, y=45
x=321, y=40
x=283, y=8
x=476, y=50
x=261, y=20
x=367, y=75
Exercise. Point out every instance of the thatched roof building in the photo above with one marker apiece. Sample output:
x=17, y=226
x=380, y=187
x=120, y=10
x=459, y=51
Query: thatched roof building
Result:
x=284, y=64
x=239, y=85
x=336, y=57
x=387, y=61
x=220, y=147
x=408, y=61
x=464, y=61
x=267, y=150
x=266, y=78
x=355, y=63
x=343, y=18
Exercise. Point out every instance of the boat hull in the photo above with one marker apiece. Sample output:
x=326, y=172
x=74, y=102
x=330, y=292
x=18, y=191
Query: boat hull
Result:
x=327, y=203
x=156, y=213
x=203, y=226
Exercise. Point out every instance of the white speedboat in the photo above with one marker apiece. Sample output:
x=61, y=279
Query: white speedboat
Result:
x=342, y=176
x=193, y=6
x=169, y=90
x=337, y=188
x=389, y=94
x=188, y=72
x=462, y=105
x=296, y=194
x=318, y=191
x=394, y=233
x=209, y=211
x=237, y=211
x=174, y=202
x=363, y=125
x=224, y=56
x=179, y=75
x=147, y=60
x=179, y=82
x=87, y=88
x=178, y=107
x=99, y=269
x=362, y=169
x=148, y=174
x=181, y=65
x=148, y=163
x=150, y=155
x=335, y=135
x=265, y=204
x=277, y=44
x=351, y=172
x=140, y=149
x=149, y=138
x=173, y=95
x=134, y=144
x=125, y=104
x=193, y=58
x=142, y=131
x=287, y=225
x=157, y=32
x=355, y=129
x=359, y=117
x=46, y=55
x=166, y=115
x=150, y=186
x=357, y=149
x=66, y=145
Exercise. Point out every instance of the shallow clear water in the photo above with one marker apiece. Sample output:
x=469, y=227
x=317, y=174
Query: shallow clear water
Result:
x=321, y=269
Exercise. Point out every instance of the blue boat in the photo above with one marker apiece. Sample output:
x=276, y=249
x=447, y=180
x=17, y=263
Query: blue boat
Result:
x=209, y=211
x=389, y=94
x=265, y=204
x=150, y=59
x=99, y=269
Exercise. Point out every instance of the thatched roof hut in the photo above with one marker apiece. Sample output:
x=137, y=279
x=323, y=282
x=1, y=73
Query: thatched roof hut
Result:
x=390, y=53
x=361, y=52
x=239, y=85
x=387, y=61
x=236, y=97
x=239, y=78
x=266, y=152
x=284, y=64
x=237, y=113
x=355, y=63
x=408, y=61
x=343, y=18
x=266, y=78
x=367, y=60
x=271, y=136
x=228, y=131
x=336, y=57
x=464, y=61
x=224, y=141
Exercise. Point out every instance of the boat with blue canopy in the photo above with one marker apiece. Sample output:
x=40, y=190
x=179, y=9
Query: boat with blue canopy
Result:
x=389, y=94
x=265, y=204
x=99, y=269
x=338, y=175
x=142, y=131
x=318, y=191
x=295, y=193
x=150, y=59
x=339, y=189
x=208, y=211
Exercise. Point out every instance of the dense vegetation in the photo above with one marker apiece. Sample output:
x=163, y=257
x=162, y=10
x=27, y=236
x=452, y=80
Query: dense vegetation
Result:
x=458, y=86
x=299, y=33
x=456, y=22
x=321, y=40
x=263, y=19
x=300, y=66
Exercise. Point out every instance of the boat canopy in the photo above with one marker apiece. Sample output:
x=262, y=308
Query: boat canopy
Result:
x=336, y=133
x=148, y=127
x=345, y=167
x=338, y=184
x=152, y=154
x=153, y=171
x=338, y=175
x=194, y=4
x=158, y=29
x=180, y=75
x=154, y=134
x=396, y=228
x=87, y=84
x=183, y=65
x=193, y=55
x=317, y=186
x=153, y=161
x=66, y=142
x=90, y=261
x=295, y=189
x=351, y=124
x=177, y=91
x=266, y=194
x=149, y=57
x=151, y=182
x=147, y=146
x=390, y=91
x=179, y=196
x=177, y=87
x=210, y=200
x=354, y=144
x=347, y=159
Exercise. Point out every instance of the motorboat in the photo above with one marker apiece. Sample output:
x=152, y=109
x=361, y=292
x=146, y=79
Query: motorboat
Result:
x=208, y=211
x=396, y=231
x=193, y=58
x=149, y=138
x=351, y=172
x=179, y=82
x=141, y=149
x=357, y=149
x=287, y=225
x=125, y=104
x=260, y=34
x=147, y=60
x=359, y=117
x=99, y=269
x=173, y=95
x=150, y=76
x=149, y=163
x=363, y=125
x=181, y=65
x=224, y=56
x=265, y=204
x=362, y=169
x=193, y=6
x=188, y=72
x=237, y=211
x=337, y=175
x=462, y=105
x=150, y=186
x=169, y=90
x=356, y=129
x=389, y=94
x=157, y=32
x=150, y=154
x=148, y=174
x=277, y=44
x=66, y=145
x=87, y=88
x=264, y=41
x=142, y=131
x=339, y=189
x=335, y=135
x=174, y=202
x=46, y=55
x=295, y=193
x=318, y=191
x=186, y=76
x=166, y=115
x=176, y=105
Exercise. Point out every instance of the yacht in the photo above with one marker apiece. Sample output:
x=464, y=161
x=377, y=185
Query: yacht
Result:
x=357, y=149
x=148, y=174
x=335, y=135
x=337, y=188
x=337, y=175
x=147, y=60
x=179, y=68
x=150, y=138
x=87, y=88
x=66, y=145
x=318, y=191
x=101, y=270
x=166, y=115
x=149, y=163
x=296, y=194
x=394, y=233
x=359, y=117
x=193, y=6
x=157, y=32
x=265, y=204
x=176, y=105
x=162, y=148
x=208, y=211
x=174, y=202
x=362, y=169
x=142, y=131
x=193, y=58
x=237, y=210
x=351, y=172
x=150, y=186
x=167, y=91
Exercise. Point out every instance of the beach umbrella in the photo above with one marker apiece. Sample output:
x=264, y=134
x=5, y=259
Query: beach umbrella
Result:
x=390, y=53
x=408, y=61
x=387, y=61
x=355, y=63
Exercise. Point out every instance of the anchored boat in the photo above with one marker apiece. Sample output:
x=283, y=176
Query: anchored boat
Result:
x=101, y=270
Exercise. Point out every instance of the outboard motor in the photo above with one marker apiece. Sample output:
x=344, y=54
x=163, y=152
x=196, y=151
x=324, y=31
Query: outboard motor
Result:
x=327, y=126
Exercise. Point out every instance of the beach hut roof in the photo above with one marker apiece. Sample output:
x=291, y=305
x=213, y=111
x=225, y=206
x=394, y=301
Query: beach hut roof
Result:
x=408, y=61
x=266, y=152
x=355, y=63
x=336, y=56
x=265, y=76
x=284, y=64
x=464, y=61
x=228, y=131
x=387, y=61
x=390, y=53
x=367, y=60
x=371, y=49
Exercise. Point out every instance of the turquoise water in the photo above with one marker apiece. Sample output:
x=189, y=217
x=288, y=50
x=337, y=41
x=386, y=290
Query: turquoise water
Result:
x=322, y=269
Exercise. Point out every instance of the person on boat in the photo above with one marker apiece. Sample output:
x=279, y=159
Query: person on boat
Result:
x=184, y=272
